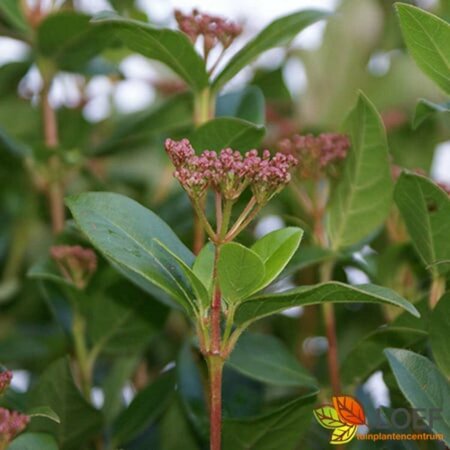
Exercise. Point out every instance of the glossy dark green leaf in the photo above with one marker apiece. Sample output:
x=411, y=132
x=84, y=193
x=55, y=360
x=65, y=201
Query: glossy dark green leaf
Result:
x=280, y=428
x=331, y=292
x=240, y=272
x=362, y=198
x=227, y=132
x=439, y=329
x=79, y=420
x=265, y=358
x=170, y=47
x=423, y=386
x=34, y=441
x=367, y=355
x=276, y=250
x=125, y=232
x=425, y=209
x=70, y=40
x=247, y=104
x=276, y=34
x=428, y=40
x=425, y=109
x=146, y=407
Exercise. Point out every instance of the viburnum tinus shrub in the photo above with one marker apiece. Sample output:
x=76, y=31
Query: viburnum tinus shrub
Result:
x=173, y=315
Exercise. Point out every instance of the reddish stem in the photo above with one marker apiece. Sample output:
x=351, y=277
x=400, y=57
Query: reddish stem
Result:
x=215, y=365
x=332, y=354
x=55, y=189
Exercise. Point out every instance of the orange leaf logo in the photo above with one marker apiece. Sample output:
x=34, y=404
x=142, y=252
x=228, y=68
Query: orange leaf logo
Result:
x=349, y=410
x=343, y=417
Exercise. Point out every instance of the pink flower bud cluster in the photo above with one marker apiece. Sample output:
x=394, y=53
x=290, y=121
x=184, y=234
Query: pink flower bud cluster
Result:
x=317, y=154
x=77, y=264
x=12, y=423
x=229, y=172
x=213, y=29
x=5, y=380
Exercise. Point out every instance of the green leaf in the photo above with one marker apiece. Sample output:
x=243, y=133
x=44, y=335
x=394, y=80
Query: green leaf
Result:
x=278, y=33
x=423, y=386
x=44, y=411
x=170, y=47
x=125, y=232
x=275, y=365
x=34, y=441
x=11, y=10
x=198, y=287
x=331, y=292
x=367, y=355
x=425, y=109
x=439, y=326
x=227, y=132
x=146, y=407
x=361, y=200
x=276, y=250
x=425, y=208
x=428, y=40
x=280, y=428
x=240, y=272
x=204, y=265
x=247, y=104
x=70, y=40
x=79, y=420
x=122, y=319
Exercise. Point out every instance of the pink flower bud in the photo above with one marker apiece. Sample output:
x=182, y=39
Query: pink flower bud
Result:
x=5, y=380
x=12, y=423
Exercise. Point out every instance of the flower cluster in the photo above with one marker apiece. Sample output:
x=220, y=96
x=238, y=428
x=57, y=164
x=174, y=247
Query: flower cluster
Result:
x=77, y=264
x=5, y=380
x=317, y=154
x=213, y=29
x=12, y=423
x=229, y=172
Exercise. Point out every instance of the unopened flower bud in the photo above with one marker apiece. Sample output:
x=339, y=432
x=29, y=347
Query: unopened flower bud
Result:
x=5, y=380
x=12, y=423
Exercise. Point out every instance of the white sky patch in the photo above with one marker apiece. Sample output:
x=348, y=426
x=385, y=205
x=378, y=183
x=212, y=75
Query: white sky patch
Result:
x=315, y=345
x=440, y=169
x=267, y=224
x=20, y=380
x=133, y=95
x=377, y=389
x=356, y=276
x=12, y=50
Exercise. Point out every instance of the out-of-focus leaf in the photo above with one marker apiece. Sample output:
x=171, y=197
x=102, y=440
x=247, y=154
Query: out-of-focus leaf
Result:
x=246, y=104
x=240, y=272
x=278, y=33
x=428, y=40
x=44, y=411
x=79, y=420
x=125, y=232
x=138, y=129
x=331, y=292
x=367, y=355
x=439, y=327
x=425, y=208
x=423, y=386
x=227, y=132
x=265, y=358
x=13, y=147
x=34, y=441
x=171, y=47
x=273, y=86
x=11, y=11
x=425, y=109
x=280, y=428
x=308, y=255
x=70, y=40
x=362, y=198
x=10, y=76
x=147, y=406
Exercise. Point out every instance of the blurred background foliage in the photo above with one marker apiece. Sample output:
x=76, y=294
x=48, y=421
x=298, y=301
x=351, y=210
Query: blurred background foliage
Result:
x=110, y=141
